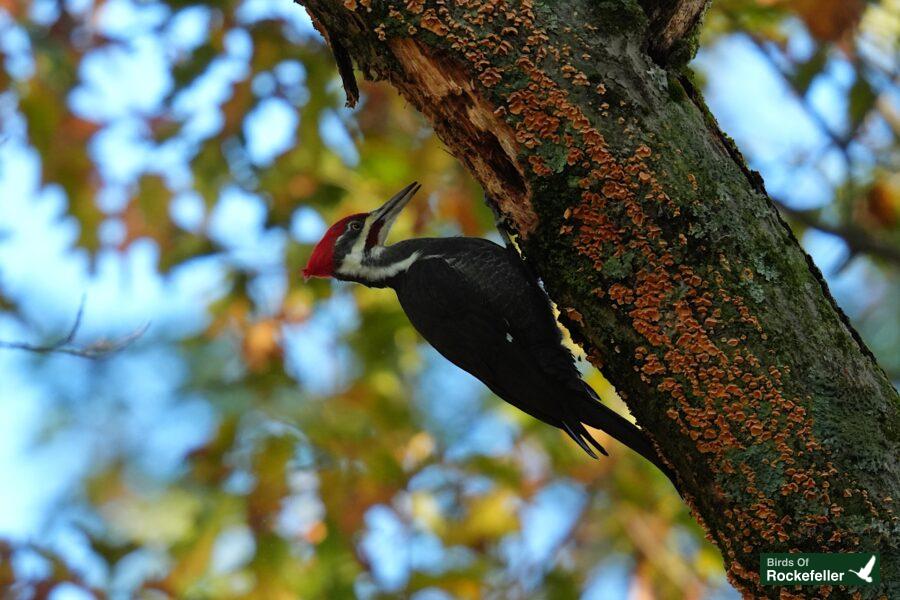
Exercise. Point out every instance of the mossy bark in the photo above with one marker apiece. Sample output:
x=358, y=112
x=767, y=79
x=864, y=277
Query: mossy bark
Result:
x=667, y=259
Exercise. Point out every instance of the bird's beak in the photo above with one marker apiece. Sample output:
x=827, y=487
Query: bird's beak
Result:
x=385, y=216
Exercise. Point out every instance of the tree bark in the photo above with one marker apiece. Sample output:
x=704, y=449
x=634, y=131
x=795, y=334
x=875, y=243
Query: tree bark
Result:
x=668, y=262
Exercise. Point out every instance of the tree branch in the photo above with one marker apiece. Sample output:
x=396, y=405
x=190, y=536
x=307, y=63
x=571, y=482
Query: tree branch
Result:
x=63, y=345
x=671, y=21
x=342, y=60
x=858, y=240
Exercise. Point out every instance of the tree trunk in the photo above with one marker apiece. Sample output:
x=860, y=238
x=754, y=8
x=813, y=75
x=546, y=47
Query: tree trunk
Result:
x=668, y=262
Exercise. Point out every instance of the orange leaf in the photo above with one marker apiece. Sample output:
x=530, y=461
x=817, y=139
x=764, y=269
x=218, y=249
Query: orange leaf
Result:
x=829, y=20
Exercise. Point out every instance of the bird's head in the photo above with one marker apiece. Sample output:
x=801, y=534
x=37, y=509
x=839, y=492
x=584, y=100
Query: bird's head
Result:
x=351, y=240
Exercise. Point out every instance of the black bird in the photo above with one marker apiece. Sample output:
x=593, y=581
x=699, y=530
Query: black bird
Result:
x=479, y=306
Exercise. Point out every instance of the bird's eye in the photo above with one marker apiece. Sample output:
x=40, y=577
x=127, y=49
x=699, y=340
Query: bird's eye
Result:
x=355, y=225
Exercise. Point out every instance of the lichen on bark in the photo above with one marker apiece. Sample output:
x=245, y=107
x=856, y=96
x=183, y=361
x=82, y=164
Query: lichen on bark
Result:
x=690, y=293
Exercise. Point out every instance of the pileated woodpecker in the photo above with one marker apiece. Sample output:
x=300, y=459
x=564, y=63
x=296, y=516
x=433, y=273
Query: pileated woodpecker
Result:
x=479, y=306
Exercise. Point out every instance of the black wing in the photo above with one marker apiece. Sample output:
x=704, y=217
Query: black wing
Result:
x=480, y=309
x=477, y=304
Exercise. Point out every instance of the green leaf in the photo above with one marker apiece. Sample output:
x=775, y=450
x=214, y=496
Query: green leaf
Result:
x=861, y=100
x=807, y=71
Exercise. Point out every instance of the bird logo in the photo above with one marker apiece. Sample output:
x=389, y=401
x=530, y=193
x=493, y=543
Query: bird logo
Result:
x=866, y=572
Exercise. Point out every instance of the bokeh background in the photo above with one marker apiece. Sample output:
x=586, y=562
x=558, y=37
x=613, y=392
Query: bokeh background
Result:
x=169, y=164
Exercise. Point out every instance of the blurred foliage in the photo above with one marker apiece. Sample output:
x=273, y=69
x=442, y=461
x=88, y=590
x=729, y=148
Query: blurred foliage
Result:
x=296, y=478
x=839, y=62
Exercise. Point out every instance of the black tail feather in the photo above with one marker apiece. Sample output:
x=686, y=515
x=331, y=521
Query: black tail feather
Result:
x=590, y=411
x=579, y=439
x=585, y=435
x=594, y=442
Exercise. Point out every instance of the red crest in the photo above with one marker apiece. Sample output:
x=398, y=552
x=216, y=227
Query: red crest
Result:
x=321, y=261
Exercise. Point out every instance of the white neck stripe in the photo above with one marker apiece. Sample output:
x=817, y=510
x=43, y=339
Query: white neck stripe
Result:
x=354, y=266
